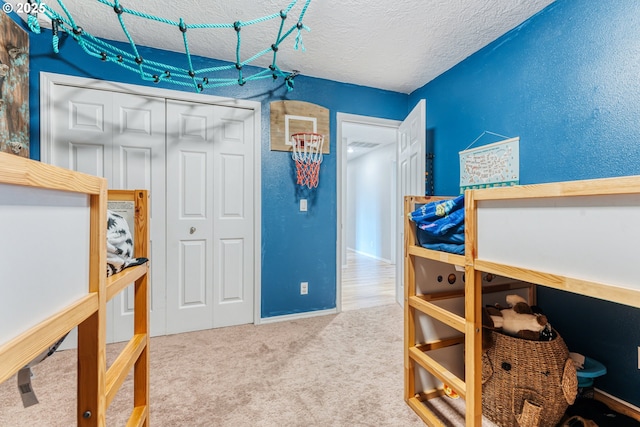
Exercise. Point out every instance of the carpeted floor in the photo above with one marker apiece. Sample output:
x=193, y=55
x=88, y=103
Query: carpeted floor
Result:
x=336, y=370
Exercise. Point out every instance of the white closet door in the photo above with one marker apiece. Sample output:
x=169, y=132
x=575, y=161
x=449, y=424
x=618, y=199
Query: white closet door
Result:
x=197, y=161
x=139, y=163
x=210, y=272
x=119, y=137
x=82, y=126
x=233, y=232
x=189, y=216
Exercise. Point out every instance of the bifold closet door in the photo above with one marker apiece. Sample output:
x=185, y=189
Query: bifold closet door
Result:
x=210, y=273
x=120, y=137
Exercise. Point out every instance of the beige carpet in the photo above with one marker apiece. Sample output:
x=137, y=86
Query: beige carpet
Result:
x=337, y=370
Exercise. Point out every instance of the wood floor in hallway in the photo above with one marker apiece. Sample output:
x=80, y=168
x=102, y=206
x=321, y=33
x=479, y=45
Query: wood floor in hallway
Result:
x=367, y=282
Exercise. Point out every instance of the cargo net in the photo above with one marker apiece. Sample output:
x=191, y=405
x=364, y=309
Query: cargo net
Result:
x=307, y=153
x=185, y=75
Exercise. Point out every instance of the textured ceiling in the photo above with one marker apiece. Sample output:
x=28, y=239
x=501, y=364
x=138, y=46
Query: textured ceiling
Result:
x=399, y=45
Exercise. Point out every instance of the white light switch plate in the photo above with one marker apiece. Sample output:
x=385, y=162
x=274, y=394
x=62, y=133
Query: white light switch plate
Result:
x=303, y=205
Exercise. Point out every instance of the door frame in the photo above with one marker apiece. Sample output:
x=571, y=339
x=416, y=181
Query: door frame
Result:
x=341, y=190
x=49, y=80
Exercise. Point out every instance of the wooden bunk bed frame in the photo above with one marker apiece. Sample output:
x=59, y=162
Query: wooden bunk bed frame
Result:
x=97, y=385
x=535, y=234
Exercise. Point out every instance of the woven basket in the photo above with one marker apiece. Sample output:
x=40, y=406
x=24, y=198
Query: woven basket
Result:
x=527, y=383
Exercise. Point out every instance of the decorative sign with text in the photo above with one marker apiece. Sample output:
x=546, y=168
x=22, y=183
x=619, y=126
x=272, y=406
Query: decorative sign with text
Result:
x=492, y=165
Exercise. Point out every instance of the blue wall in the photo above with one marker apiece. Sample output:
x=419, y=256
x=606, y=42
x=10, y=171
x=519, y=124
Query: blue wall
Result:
x=296, y=246
x=567, y=82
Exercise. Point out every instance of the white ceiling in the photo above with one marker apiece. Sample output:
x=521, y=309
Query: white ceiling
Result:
x=399, y=45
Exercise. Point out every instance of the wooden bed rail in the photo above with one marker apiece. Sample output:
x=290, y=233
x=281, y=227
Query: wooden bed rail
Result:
x=96, y=385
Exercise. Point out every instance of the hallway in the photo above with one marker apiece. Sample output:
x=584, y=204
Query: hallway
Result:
x=367, y=282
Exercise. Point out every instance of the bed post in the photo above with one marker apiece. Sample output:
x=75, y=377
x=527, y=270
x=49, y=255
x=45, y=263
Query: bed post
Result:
x=92, y=333
x=141, y=308
x=473, y=316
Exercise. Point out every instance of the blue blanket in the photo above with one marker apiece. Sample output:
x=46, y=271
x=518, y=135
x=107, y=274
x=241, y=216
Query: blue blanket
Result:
x=441, y=225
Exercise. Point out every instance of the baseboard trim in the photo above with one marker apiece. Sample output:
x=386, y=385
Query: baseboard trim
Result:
x=617, y=405
x=368, y=255
x=297, y=316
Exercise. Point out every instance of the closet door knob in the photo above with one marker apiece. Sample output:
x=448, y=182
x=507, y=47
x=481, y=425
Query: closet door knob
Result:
x=192, y=230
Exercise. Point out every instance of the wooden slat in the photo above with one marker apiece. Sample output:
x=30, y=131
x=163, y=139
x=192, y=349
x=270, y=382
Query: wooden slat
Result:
x=19, y=171
x=438, y=313
x=443, y=343
x=444, y=257
x=16, y=353
x=487, y=289
x=121, y=195
x=123, y=364
x=118, y=282
x=583, y=287
x=139, y=417
x=438, y=371
x=589, y=187
x=425, y=414
x=434, y=393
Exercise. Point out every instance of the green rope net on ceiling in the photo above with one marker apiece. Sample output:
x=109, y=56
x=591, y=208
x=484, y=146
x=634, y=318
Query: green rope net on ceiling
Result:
x=184, y=75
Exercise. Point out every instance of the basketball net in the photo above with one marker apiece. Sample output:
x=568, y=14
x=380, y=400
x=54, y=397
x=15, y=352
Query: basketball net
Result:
x=307, y=153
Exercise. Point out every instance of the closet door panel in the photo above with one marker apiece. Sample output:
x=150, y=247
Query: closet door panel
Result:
x=82, y=130
x=139, y=163
x=190, y=198
x=233, y=217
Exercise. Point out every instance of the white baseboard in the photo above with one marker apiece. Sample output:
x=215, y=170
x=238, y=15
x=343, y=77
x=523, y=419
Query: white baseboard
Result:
x=296, y=316
x=388, y=261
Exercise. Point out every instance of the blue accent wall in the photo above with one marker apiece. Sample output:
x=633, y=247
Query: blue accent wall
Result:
x=567, y=82
x=296, y=246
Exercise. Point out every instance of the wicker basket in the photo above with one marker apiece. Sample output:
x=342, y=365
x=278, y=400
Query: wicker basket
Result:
x=527, y=383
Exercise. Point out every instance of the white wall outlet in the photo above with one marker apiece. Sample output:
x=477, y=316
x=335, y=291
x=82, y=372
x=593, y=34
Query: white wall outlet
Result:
x=303, y=205
x=304, y=288
x=638, y=357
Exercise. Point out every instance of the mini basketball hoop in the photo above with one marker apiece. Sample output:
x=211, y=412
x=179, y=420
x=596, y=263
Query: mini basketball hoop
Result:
x=307, y=153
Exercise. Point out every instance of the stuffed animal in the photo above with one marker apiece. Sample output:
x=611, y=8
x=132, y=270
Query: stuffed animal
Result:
x=518, y=320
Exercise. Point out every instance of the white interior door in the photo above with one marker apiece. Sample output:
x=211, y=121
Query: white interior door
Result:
x=412, y=141
x=119, y=137
x=210, y=208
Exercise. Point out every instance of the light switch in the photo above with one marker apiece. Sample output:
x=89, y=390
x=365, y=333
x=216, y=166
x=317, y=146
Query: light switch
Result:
x=303, y=205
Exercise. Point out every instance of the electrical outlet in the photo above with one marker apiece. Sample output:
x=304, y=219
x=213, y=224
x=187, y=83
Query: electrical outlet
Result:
x=638, y=357
x=304, y=288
